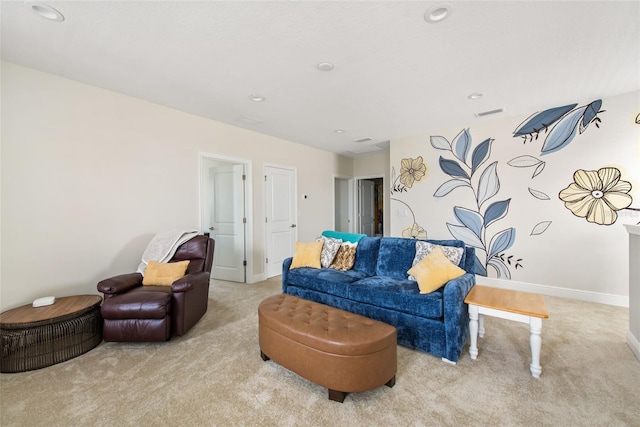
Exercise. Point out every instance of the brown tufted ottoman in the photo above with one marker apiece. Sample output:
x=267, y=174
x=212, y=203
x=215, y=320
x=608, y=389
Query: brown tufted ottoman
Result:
x=341, y=351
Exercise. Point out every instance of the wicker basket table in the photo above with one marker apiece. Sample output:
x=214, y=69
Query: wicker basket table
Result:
x=36, y=337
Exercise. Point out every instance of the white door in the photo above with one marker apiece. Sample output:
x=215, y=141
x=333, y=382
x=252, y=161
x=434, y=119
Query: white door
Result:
x=227, y=222
x=366, y=207
x=342, y=199
x=280, y=208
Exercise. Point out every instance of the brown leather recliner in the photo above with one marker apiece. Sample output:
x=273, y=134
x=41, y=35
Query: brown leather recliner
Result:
x=133, y=312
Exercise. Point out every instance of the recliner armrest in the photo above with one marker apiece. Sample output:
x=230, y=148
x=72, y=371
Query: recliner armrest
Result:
x=119, y=284
x=190, y=281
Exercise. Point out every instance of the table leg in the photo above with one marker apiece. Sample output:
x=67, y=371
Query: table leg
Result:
x=535, y=327
x=473, y=331
x=481, y=325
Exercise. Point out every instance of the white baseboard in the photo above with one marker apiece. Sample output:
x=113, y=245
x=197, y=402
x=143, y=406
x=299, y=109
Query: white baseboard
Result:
x=257, y=278
x=634, y=344
x=554, y=291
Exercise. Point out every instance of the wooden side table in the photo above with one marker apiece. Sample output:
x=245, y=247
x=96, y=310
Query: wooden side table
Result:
x=507, y=304
x=36, y=337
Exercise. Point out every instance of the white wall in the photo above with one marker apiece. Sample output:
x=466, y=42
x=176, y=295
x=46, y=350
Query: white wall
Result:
x=585, y=259
x=89, y=176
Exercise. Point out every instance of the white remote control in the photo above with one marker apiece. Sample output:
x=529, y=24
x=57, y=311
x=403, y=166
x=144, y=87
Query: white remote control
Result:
x=40, y=302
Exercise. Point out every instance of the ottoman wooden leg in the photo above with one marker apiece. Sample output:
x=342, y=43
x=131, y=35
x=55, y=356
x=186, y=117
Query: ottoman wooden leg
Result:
x=337, y=396
x=391, y=382
x=264, y=356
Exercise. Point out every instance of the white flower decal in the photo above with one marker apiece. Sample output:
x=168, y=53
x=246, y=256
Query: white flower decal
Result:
x=597, y=195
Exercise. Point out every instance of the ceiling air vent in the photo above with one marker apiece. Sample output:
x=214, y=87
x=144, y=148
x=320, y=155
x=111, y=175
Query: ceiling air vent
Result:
x=365, y=149
x=488, y=113
x=249, y=120
x=359, y=141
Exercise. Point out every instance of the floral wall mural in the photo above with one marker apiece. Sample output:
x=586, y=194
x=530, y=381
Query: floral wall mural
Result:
x=524, y=205
x=594, y=195
x=411, y=171
x=474, y=221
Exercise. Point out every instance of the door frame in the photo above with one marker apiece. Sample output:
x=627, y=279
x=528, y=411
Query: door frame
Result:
x=248, y=206
x=356, y=210
x=264, y=208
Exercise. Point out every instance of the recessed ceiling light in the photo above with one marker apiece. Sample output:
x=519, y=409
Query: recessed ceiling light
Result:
x=45, y=11
x=339, y=131
x=438, y=13
x=476, y=95
x=325, y=66
x=257, y=98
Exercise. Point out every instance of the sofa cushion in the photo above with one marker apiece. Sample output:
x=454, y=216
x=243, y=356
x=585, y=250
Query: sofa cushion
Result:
x=307, y=255
x=367, y=255
x=396, y=255
x=164, y=273
x=346, y=257
x=330, y=248
x=424, y=248
x=434, y=271
x=397, y=294
x=327, y=280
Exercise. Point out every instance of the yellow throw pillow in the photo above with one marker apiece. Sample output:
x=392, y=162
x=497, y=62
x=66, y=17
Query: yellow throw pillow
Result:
x=307, y=255
x=434, y=270
x=164, y=273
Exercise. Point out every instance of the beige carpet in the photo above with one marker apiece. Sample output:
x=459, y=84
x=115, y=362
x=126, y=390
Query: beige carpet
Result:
x=214, y=376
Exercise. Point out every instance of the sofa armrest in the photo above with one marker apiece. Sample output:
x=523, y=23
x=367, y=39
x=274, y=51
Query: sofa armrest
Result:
x=119, y=284
x=191, y=281
x=456, y=314
x=286, y=264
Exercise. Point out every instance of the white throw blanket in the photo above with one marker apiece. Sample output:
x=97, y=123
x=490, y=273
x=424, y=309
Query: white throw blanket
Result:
x=163, y=246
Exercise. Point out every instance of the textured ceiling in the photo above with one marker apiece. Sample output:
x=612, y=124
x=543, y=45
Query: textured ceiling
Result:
x=395, y=75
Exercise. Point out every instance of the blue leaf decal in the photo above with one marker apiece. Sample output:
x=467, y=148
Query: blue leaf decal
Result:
x=501, y=268
x=480, y=154
x=440, y=143
x=479, y=267
x=542, y=120
x=448, y=186
x=590, y=112
x=467, y=236
x=563, y=132
x=495, y=211
x=489, y=183
x=452, y=168
x=501, y=242
x=470, y=219
x=461, y=145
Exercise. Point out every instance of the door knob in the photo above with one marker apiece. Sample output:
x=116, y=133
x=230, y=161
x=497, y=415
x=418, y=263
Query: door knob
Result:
x=212, y=228
x=293, y=226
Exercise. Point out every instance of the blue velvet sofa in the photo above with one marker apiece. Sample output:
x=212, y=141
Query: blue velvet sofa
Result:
x=378, y=287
